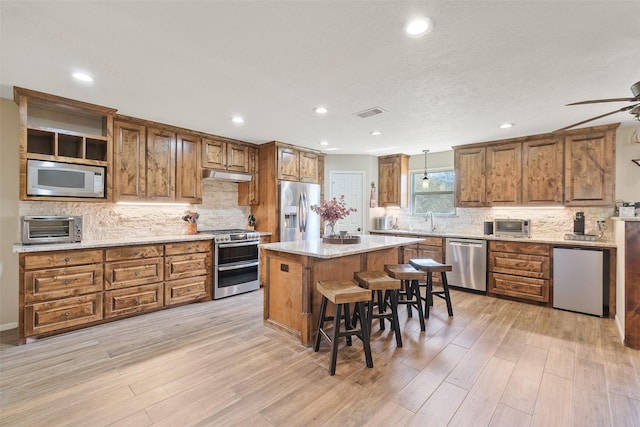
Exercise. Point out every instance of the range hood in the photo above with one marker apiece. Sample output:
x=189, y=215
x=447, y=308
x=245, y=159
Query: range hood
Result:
x=226, y=176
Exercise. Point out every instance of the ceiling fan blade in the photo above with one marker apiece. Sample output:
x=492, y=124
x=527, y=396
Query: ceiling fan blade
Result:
x=595, y=101
x=628, y=107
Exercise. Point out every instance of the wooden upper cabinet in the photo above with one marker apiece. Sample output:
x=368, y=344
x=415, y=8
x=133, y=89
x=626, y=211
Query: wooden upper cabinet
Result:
x=129, y=161
x=288, y=163
x=309, y=166
x=188, y=175
x=589, y=168
x=469, y=169
x=214, y=153
x=161, y=165
x=542, y=171
x=504, y=174
x=220, y=154
x=393, y=176
x=248, y=192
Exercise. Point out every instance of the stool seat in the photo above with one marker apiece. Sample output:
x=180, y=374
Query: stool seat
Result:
x=429, y=265
x=404, y=272
x=342, y=291
x=376, y=280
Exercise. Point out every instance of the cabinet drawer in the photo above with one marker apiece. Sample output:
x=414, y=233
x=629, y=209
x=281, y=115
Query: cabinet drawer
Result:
x=133, y=300
x=180, y=266
x=184, y=290
x=519, y=264
x=55, y=283
x=188, y=247
x=134, y=252
x=519, y=287
x=133, y=273
x=521, y=247
x=431, y=241
x=61, y=259
x=64, y=313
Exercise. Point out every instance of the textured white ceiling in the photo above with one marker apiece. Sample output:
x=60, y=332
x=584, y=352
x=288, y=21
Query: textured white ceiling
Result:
x=196, y=63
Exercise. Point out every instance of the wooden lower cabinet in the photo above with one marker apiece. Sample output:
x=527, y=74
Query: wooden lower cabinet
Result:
x=62, y=314
x=520, y=270
x=66, y=290
x=133, y=300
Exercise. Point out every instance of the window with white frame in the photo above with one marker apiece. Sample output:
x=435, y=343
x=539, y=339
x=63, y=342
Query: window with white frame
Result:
x=437, y=197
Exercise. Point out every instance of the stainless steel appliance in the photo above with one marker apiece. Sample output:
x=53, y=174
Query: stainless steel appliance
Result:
x=51, y=229
x=297, y=221
x=236, y=261
x=57, y=179
x=580, y=280
x=468, y=260
x=510, y=227
x=384, y=222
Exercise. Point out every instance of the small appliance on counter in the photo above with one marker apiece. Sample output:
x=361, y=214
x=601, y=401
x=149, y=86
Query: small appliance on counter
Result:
x=488, y=228
x=578, y=223
x=512, y=227
x=384, y=222
x=51, y=229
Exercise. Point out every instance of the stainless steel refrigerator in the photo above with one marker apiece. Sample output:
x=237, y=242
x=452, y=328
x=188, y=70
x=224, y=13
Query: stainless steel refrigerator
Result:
x=297, y=220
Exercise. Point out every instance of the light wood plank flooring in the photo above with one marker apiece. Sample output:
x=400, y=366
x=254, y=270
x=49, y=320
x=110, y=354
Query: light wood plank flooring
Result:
x=496, y=362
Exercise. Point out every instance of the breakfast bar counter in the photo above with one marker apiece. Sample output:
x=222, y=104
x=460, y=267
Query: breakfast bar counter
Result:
x=289, y=271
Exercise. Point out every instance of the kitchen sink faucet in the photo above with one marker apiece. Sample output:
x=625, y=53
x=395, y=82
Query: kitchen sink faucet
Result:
x=429, y=218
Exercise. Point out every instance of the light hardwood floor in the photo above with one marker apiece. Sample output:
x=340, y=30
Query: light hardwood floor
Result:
x=496, y=362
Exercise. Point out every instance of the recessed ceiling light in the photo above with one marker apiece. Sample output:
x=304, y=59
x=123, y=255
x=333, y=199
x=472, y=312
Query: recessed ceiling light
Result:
x=506, y=125
x=321, y=110
x=83, y=77
x=237, y=119
x=419, y=27
x=324, y=143
x=376, y=132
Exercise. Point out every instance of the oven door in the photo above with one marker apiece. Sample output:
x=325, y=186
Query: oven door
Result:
x=237, y=268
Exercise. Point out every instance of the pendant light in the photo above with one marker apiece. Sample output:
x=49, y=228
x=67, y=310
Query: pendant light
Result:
x=425, y=178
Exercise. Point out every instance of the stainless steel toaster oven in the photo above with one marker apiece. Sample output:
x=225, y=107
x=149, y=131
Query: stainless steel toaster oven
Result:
x=51, y=229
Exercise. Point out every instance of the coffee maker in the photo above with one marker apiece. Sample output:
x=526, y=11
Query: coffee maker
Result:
x=578, y=223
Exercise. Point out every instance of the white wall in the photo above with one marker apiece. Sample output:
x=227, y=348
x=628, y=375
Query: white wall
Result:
x=627, y=172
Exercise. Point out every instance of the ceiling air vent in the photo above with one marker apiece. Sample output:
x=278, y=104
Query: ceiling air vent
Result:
x=370, y=112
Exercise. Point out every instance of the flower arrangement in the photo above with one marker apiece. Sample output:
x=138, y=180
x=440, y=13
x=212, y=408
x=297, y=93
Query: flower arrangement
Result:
x=333, y=210
x=191, y=217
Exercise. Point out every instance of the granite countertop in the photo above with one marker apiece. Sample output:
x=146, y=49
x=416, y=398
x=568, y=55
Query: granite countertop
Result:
x=557, y=242
x=318, y=249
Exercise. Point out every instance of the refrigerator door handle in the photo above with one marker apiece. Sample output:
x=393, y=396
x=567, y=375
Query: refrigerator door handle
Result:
x=305, y=211
x=301, y=213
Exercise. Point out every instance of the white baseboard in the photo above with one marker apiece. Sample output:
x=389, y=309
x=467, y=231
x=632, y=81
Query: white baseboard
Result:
x=8, y=326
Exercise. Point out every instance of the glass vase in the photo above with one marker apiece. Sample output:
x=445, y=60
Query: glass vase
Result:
x=329, y=230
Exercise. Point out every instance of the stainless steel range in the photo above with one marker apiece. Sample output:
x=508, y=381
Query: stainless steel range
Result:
x=236, y=266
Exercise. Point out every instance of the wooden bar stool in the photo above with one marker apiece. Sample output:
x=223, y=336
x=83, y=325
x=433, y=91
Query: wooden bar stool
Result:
x=410, y=278
x=341, y=293
x=378, y=282
x=430, y=266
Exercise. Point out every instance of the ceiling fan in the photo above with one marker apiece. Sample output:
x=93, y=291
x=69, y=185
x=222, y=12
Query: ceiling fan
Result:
x=633, y=109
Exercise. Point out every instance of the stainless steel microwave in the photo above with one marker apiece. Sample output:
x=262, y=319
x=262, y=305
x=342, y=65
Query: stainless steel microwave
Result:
x=510, y=227
x=51, y=229
x=58, y=179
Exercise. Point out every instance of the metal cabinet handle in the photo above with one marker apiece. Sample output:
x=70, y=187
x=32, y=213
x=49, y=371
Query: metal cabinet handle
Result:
x=66, y=282
x=188, y=289
x=67, y=259
x=66, y=314
x=136, y=253
x=136, y=301
x=137, y=273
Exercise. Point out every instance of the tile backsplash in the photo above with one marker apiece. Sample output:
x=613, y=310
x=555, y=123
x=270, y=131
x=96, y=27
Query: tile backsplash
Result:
x=219, y=209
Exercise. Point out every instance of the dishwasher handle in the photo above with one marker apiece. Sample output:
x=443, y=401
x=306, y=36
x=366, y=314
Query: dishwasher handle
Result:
x=467, y=244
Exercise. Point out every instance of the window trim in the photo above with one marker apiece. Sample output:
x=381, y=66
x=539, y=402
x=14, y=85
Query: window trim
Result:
x=413, y=193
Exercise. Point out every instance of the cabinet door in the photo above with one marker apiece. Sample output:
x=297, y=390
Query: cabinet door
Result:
x=392, y=180
x=214, y=154
x=469, y=169
x=182, y=266
x=504, y=174
x=161, y=164
x=52, y=283
x=133, y=300
x=248, y=191
x=519, y=287
x=133, y=273
x=542, y=172
x=129, y=161
x=63, y=313
x=288, y=163
x=308, y=167
x=589, y=169
x=184, y=290
x=188, y=169
x=237, y=158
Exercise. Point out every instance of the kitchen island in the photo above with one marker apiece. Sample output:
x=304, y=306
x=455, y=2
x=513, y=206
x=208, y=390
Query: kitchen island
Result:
x=289, y=271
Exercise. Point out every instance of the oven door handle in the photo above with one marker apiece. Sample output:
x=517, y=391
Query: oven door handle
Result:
x=235, y=245
x=239, y=266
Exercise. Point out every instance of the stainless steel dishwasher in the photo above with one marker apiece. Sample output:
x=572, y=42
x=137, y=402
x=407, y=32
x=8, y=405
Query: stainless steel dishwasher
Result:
x=468, y=260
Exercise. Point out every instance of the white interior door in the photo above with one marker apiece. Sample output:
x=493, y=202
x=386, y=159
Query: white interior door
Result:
x=349, y=184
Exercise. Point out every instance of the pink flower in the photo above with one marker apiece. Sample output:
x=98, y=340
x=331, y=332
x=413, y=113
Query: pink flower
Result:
x=333, y=210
